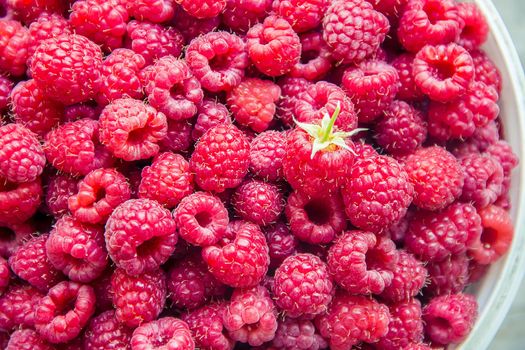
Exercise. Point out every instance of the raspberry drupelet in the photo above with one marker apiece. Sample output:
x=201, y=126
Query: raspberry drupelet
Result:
x=210, y=114
x=240, y=15
x=18, y=202
x=475, y=30
x=409, y=277
x=483, y=179
x=303, y=15
x=27, y=339
x=258, y=202
x=405, y=327
x=157, y=11
x=14, y=44
x=315, y=60
x=17, y=306
x=297, y=334
x=163, y=333
x=104, y=330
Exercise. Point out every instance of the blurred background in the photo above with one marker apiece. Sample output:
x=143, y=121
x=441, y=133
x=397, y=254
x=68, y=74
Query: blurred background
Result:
x=511, y=335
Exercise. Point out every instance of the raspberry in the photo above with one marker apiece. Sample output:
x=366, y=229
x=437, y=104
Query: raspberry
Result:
x=377, y=193
x=322, y=98
x=476, y=29
x=443, y=72
x=14, y=45
x=466, y=218
x=27, y=11
x=240, y=15
x=23, y=159
x=138, y=298
x=17, y=306
x=351, y=319
x=293, y=334
x=77, y=249
x=172, y=88
x=59, y=188
x=502, y=152
x=353, y=22
x=33, y=109
x=448, y=276
x=70, y=80
x=202, y=8
x=273, y=46
x=218, y=60
x=6, y=86
x=407, y=89
x=153, y=41
x=82, y=111
x=303, y=286
x=482, y=139
x=5, y=275
x=140, y=235
x=104, y=22
x=221, y=158
x=409, y=276
x=253, y=101
x=210, y=114
x=405, y=326
x=486, y=70
x=104, y=330
x=315, y=59
x=281, y=243
x=393, y=9
x=266, y=155
x=191, y=27
x=18, y=202
x=130, y=129
x=302, y=15
x=12, y=236
x=449, y=318
x=102, y=288
x=178, y=138
x=436, y=175
x=164, y=333
x=46, y=26
x=246, y=250
x=250, y=317
x=291, y=88
x=190, y=285
x=27, y=339
x=258, y=202
x=419, y=346
x=64, y=311
x=483, y=179
x=372, y=86
x=157, y=11
x=317, y=219
x=207, y=327
x=201, y=219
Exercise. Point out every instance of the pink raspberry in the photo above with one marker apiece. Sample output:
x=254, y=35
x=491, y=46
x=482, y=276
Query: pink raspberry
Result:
x=59, y=188
x=297, y=334
x=172, y=88
x=22, y=157
x=221, y=158
x=405, y=327
x=70, y=80
x=202, y=8
x=393, y=9
x=33, y=109
x=61, y=315
x=436, y=175
x=266, y=155
x=258, y=201
x=46, y=26
x=353, y=21
x=407, y=90
x=361, y=263
x=18, y=202
x=28, y=11
x=482, y=138
x=178, y=138
x=502, y=152
x=273, y=46
x=6, y=86
x=140, y=298
x=475, y=29
x=315, y=60
x=153, y=41
x=303, y=286
x=17, y=306
x=191, y=27
x=281, y=243
x=250, y=317
x=27, y=339
x=315, y=219
x=351, y=319
x=291, y=88
x=78, y=111
x=14, y=45
x=104, y=330
x=483, y=179
x=303, y=15
x=210, y=114
x=140, y=235
x=77, y=249
x=443, y=72
x=164, y=333
x=409, y=277
x=239, y=260
x=13, y=235
x=130, y=129
x=5, y=275
x=449, y=318
x=448, y=276
x=486, y=70
x=218, y=60
x=104, y=22
x=240, y=15
x=201, y=219
x=157, y=11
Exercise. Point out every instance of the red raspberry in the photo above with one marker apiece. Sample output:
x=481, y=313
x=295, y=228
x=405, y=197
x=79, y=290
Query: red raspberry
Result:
x=407, y=90
x=354, y=21
x=172, y=88
x=502, y=152
x=82, y=111
x=164, y=333
x=419, y=346
x=351, y=319
x=294, y=334
x=466, y=218
x=64, y=311
x=5, y=275
x=207, y=327
x=17, y=306
x=18, y=202
x=70, y=80
x=302, y=15
x=140, y=235
x=253, y=101
x=393, y=9
x=23, y=159
x=6, y=86
x=246, y=250
x=157, y=11
x=218, y=60
x=28, y=11
x=104, y=22
x=449, y=318
x=27, y=339
x=191, y=285
x=153, y=41
x=405, y=327
x=258, y=201
x=191, y=27
x=321, y=98
x=291, y=88
x=77, y=249
x=104, y=330
x=202, y=8
x=201, y=219
x=448, y=276
x=46, y=26
x=315, y=60
x=266, y=155
x=476, y=29
x=436, y=175
x=443, y=72
x=221, y=158
x=12, y=236
x=482, y=138
x=372, y=87
x=178, y=138
x=377, y=193
x=250, y=317
x=273, y=46
x=240, y=15
x=281, y=243
x=317, y=219
x=486, y=70
x=303, y=286
x=483, y=179
x=140, y=298
x=33, y=109
x=58, y=190
x=14, y=45
x=130, y=129
x=210, y=114
x=102, y=288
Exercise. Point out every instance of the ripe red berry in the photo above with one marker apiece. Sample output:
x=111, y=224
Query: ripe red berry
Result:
x=46, y=26
x=14, y=44
x=408, y=90
x=157, y=11
x=449, y=276
x=103, y=330
x=405, y=327
x=475, y=28
x=18, y=202
x=17, y=306
x=409, y=277
x=202, y=8
x=316, y=59
x=163, y=333
x=27, y=339
x=297, y=334
x=240, y=15
x=258, y=201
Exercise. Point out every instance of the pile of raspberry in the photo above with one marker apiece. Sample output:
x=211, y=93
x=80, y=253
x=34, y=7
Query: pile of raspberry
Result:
x=234, y=174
